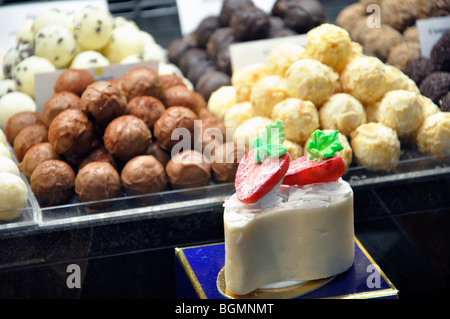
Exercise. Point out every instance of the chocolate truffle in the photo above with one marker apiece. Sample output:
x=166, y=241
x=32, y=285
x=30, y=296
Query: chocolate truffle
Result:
x=213, y=133
x=419, y=68
x=399, y=14
x=379, y=41
x=73, y=80
x=143, y=175
x=175, y=117
x=440, y=53
x=126, y=137
x=229, y=7
x=52, y=182
x=250, y=23
x=190, y=58
x=188, y=169
x=219, y=38
x=402, y=53
x=204, y=30
x=210, y=82
x=169, y=80
x=182, y=96
x=435, y=86
x=27, y=137
x=35, y=155
x=179, y=46
x=348, y=16
x=57, y=103
x=445, y=103
x=226, y=161
x=103, y=101
x=223, y=61
x=198, y=69
x=160, y=154
x=19, y=121
x=71, y=133
x=97, y=181
x=427, y=9
x=99, y=154
x=301, y=16
x=147, y=108
x=141, y=81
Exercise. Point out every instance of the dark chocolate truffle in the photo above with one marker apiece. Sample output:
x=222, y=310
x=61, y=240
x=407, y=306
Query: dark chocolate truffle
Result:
x=220, y=38
x=435, y=86
x=57, y=103
x=175, y=117
x=204, y=30
x=147, y=108
x=223, y=61
x=229, y=7
x=444, y=104
x=143, y=175
x=250, y=23
x=226, y=160
x=303, y=15
x=179, y=46
x=126, y=137
x=210, y=82
x=27, y=137
x=196, y=70
x=190, y=58
x=419, y=68
x=141, y=81
x=188, y=169
x=18, y=121
x=97, y=181
x=35, y=155
x=73, y=80
x=160, y=154
x=440, y=53
x=183, y=96
x=52, y=182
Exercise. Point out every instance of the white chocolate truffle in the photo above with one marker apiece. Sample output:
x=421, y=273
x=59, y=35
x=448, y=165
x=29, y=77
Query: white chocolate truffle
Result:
x=311, y=80
x=14, y=56
x=124, y=41
x=267, y=92
x=282, y=56
x=4, y=151
x=89, y=59
x=375, y=146
x=8, y=166
x=433, y=137
x=154, y=52
x=299, y=117
x=25, y=32
x=397, y=80
x=12, y=103
x=248, y=130
x=330, y=45
x=365, y=78
x=50, y=17
x=7, y=86
x=221, y=100
x=13, y=195
x=147, y=38
x=92, y=28
x=238, y=114
x=55, y=43
x=342, y=112
x=3, y=138
x=25, y=71
x=135, y=58
x=295, y=150
x=244, y=79
x=122, y=22
x=401, y=110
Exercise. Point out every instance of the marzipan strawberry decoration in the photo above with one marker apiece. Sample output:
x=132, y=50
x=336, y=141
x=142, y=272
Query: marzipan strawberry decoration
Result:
x=323, y=166
x=264, y=166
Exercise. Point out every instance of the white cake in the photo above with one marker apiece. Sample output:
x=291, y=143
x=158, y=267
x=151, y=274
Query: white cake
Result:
x=293, y=234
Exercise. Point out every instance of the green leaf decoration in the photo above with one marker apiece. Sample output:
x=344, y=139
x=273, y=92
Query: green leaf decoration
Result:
x=270, y=142
x=324, y=145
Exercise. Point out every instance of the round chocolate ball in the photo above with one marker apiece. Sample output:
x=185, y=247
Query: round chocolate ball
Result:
x=179, y=46
x=126, y=137
x=169, y=80
x=419, y=68
x=190, y=58
x=188, y=169
x=445, y=103
x=99, y=154
x=160, y=154
x=226, y=160
x=229, y=7
x=73, y=80
x=210, y=82
x=57, y=103
x=18, y=121
x=147, y=108
x=27, y=137
x=141, y=81
x=435, y=86
x=440, y=53
x=52, y=182
x=220, y=38
x=302, y=16
x=183, y=96
x=35, y=155
x=250, y=23
x=205, y=28
x=198, y=69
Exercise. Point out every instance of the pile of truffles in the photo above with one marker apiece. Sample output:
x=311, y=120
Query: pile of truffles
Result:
x=88, y=38
x=396, y=40
x=330, y=84
x=203, y=55
x=104, y=139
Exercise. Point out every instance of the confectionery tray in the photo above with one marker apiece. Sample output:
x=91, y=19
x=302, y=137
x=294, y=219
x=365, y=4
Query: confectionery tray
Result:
x=413, y=165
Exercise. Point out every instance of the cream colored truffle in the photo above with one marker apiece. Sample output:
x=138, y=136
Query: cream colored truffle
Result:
x=4, y=151
x=397, y=80
x=7, y=165
x=330, y=45
x=401, y=110
x=299, y=117
x=248, y=130
x=267, y=92
x=12, y=103
x=365, y=78
x=375, y=146
x=124, y=42
x=342, y=112
x=282, y=56
x=295, y=150
x=311, y=80
x=13, y=196
x=238, y=114
x=221, y=100
x=433, y=137
x=244, y=79
x=3, y=138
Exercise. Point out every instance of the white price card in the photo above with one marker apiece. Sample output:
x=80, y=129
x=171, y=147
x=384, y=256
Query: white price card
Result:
x=430, y=31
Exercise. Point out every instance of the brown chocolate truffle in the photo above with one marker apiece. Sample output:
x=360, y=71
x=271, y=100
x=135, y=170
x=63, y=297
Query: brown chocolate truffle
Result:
x=226, y=160
x=223, y=61
x=435, y=86
x=205, y=28
x=196, y=71
x=440, y=53
x=175, y=117
x=18, y=121
x=213, y=133
x=103, y=101
x=229, y=7
x=379, y=41
x=210, y=82
x=52, y=182
x=219, y=38
x=303, y=15
x=57, y=103
x=169, y=80
x=160, y=154
x=188, y=169
x=141, y=81
x=126, y=137
x=183, y=96
x=143, y=174
x=401, y=54
x=444, y=103
x=147, y=108
x=73, y=80
x=190, y=58
x=35, y=155
x=179, y=46
x=399, y=14
x=71, y=133
x=250, y=23
x=97, y=181
x=419, y=68
x=99, y=154
x=27, y=137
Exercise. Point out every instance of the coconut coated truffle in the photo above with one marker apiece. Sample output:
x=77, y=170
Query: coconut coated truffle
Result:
x=433, y=137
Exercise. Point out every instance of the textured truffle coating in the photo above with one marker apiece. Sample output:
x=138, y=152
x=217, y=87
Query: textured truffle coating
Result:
x=35, y=155
x=229, y=7
x=433, y=137
x=419, y=68
x=182, y=96
x=401, y=54
x=141, y=81
x=267, y=92
x=73, y=80
x=18, y=121
x=435, y=86
x=211, y=81
x=143, y=175
x=27, y=137
x=100, y=154
x=188, y=169
x=226, y=161
x=249, y=23
x=205, y=28
x=303, y=15
x=57, y=103
x=147, y=108
x=440, y=53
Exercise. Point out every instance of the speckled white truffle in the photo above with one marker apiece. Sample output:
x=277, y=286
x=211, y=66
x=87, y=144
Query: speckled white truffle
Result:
x=299, y=117
x=89, y=59
x=375, y=146
x=7, y=86
x=248, y=130
x=55, y=43
x=238, y=114
x=7, y=165
x=311, y=80
x=49, y=17
x=244, y=78
x=13, y=195
x=25, y=32
x=124, y=41
x=282, y=56
x=12, y=103
x=92, y=28
x=267, y=92
x=433, y=137
x=25, y=71
x=342, y=112
x=221, y=100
